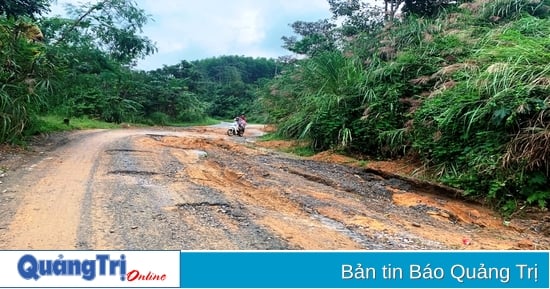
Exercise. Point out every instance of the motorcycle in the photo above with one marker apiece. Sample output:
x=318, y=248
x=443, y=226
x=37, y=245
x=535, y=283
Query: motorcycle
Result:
x=236, y=129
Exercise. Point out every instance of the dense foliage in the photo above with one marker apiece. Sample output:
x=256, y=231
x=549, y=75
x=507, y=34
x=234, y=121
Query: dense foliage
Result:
x=465, y=89
x=23, y=8
x=229, y=84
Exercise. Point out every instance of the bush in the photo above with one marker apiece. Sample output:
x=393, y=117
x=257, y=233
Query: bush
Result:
x=159, y=118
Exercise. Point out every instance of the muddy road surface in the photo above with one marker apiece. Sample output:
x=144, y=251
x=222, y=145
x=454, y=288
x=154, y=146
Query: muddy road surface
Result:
x=197, y=188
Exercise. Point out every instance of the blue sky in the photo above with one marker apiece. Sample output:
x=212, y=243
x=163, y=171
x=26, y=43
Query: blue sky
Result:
x=197, y=29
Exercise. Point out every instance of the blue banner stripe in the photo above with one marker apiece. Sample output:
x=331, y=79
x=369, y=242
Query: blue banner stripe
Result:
x=337, y=269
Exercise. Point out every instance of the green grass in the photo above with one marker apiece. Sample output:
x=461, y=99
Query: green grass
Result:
x=53, y=123
x=303, y=151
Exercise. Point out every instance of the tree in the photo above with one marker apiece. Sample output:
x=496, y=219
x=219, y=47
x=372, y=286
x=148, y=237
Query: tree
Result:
x=229, y=83
x=316, y=37
x=354, y=17
x=428, y=8
x=113, y=25
x=93, y=53
x=29, y=8
x=391, y=7
x=357, y=16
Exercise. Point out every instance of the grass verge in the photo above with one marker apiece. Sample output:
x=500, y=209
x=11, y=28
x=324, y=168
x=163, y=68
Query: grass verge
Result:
x=54, y=123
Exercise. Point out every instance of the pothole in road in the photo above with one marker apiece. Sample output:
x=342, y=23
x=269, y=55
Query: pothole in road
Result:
x=132, y=172
x=313, y=178
x=156, y=137
x=202, y=204
x=349, y=182
x=223, y=208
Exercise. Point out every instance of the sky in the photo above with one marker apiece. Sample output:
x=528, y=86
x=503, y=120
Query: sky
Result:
x=197, y=29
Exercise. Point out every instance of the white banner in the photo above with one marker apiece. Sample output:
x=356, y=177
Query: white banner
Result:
x=72, y=269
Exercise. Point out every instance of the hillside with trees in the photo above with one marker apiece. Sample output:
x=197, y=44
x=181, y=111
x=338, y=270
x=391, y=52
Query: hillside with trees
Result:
x=462, y=86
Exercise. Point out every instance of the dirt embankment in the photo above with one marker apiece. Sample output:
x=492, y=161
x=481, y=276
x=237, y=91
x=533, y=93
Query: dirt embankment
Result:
x=197, y=188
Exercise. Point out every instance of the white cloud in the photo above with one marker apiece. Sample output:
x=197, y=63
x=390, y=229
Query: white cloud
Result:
x=186, y=29
x=303, y=5
x=249, y=27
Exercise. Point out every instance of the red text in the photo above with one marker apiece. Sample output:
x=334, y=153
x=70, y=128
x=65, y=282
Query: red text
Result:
x=135, y=275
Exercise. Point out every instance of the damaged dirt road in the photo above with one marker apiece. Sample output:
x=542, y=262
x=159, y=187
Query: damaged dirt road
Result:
x=197, y=188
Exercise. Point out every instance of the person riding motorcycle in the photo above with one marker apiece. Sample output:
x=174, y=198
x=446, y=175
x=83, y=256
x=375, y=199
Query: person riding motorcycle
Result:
x=241, y=122
x=238, y=126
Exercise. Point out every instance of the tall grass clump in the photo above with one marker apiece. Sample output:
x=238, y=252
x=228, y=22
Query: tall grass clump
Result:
x=21, y=78
x=489, y=133
x=500, y=10
x=318, y=100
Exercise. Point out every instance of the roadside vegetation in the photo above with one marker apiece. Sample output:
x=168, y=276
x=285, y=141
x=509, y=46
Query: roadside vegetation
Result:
x=462, y=86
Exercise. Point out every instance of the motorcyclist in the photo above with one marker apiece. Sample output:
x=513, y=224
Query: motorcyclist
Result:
x=241, y=122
